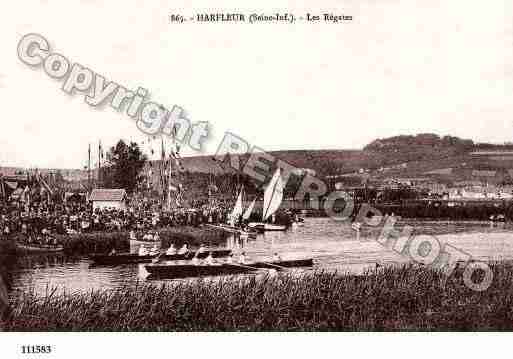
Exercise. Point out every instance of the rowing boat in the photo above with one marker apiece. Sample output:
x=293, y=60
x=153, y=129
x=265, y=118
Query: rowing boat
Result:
x=125, y=258
x=188, y=270
x=39, y=248
x=174, y=271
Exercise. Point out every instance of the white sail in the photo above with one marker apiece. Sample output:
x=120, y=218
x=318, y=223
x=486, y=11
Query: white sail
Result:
x=273, y=195
x=249, y=210
x=237, y=209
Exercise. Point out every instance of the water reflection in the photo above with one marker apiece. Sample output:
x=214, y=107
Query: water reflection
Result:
x=332, y=245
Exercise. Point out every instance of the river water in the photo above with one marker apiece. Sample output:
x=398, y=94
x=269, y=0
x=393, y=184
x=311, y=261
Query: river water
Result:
x=334, y=246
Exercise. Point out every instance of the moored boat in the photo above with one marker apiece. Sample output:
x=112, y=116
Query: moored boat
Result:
x=265, y=227
x=234, y=230
x=273, y=196
x=39, y=248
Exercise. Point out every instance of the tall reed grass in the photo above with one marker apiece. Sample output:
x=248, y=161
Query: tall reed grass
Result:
x=387, y=299
x=98, y=242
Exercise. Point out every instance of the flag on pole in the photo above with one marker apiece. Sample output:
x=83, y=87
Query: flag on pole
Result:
x=100, y=150
x=177, y=159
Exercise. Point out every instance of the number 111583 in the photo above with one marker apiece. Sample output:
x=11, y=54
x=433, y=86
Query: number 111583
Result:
x=36, y=349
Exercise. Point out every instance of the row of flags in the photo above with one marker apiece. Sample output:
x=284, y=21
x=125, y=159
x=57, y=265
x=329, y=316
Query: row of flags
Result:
x=169, y=163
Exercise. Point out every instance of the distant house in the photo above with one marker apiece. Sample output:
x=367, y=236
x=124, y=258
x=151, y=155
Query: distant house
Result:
x=481, y=173
x=108, y=198
x=441, y=171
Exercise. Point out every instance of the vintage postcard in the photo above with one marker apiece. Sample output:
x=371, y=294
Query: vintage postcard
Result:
x=182, y=167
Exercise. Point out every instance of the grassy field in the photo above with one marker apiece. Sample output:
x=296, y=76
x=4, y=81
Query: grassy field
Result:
x=389, y=299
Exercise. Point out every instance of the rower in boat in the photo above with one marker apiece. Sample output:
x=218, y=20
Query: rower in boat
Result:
x=242, y=258
x=143, y=251
x=276, y=257
x=154, y=250
x=171, y=250
x=209, y=260
x=183, y=250
x=195, y=260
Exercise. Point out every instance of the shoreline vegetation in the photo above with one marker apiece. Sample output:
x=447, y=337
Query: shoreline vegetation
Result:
x=99, y=242
x=408, y=298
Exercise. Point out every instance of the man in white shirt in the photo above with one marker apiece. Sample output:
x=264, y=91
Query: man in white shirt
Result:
x=143, y=251
x=209, y=260
x=171, y=250
x=183, y=250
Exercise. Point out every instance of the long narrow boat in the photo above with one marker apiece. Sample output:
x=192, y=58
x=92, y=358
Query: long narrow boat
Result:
x=39, y=248
x=138, y=242
x=176, y=271
x=127, y=258
x=173, y=271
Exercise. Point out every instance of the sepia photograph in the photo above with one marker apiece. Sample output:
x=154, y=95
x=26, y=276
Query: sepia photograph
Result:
x=173, y=171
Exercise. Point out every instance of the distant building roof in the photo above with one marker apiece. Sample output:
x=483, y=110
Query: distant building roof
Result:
x=114, y=195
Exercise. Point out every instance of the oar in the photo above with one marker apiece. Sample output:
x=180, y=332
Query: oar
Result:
x=157, y=259
x=244, y=266
x=253, y=268
x=275, y=265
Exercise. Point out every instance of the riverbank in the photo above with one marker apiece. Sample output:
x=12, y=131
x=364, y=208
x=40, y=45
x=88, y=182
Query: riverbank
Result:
x=389, y=299
x=98, y=242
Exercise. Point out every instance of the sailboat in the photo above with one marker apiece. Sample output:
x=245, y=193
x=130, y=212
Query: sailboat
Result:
x=273, y=196
x=237, y=209
x=234, y=216
x=249, y=210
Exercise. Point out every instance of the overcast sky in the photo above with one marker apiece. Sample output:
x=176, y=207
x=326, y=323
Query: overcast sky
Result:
x=400, y=67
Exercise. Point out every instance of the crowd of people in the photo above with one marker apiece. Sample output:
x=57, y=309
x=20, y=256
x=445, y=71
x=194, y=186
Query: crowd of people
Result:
x=44, y=221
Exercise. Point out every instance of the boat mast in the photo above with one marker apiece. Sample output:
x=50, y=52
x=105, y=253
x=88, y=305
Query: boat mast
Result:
x=89, y=168
x=169, y=169
x=99, y=162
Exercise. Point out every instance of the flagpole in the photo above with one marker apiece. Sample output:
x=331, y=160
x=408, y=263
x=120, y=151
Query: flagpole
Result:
x=99, y=161
x=89, y=167
x=170, y=166
x=162, y=171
